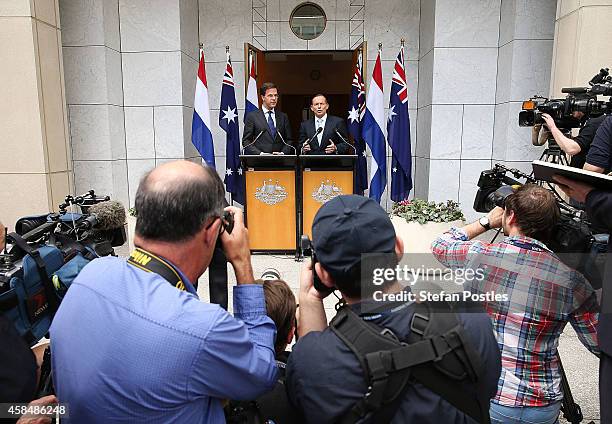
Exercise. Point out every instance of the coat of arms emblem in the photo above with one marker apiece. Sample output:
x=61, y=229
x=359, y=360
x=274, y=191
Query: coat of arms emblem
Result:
x=326, y=191
x=270, y=193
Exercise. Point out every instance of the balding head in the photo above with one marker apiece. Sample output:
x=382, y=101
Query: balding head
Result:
x=175, y=199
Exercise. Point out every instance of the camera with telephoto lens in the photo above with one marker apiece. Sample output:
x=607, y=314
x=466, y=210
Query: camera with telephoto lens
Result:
x=572, y=238
x=579, y=99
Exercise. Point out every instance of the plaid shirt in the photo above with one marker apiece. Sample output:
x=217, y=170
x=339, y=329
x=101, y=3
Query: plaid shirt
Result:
x=543, y=295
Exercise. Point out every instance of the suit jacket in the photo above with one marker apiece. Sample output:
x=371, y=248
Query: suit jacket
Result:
x=599, y=209
x=255, y=122
x=333, y=123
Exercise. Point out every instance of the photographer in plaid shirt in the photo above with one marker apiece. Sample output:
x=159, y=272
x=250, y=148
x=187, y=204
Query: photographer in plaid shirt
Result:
x=543, y=296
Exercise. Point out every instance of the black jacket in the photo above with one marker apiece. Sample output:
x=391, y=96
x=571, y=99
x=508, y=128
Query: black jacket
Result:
x=255, y=122
x=332, y=124
x=599, y=209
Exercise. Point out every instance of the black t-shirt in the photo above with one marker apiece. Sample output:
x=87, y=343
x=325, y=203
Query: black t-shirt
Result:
x=17, y=366
x=600, y=153
x=584, y=139
x=325, y=379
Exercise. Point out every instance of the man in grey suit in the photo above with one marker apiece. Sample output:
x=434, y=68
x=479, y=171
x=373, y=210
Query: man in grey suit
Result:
x=267, y=130
x=323, y=141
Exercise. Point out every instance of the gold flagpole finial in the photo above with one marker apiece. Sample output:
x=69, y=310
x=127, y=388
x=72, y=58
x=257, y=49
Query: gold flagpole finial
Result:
x=226, y=49
x=379, y=46
x=402, y=41
x=201, y=46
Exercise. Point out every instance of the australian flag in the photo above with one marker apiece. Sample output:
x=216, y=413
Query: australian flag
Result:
x=398, y=133
x=355, y=116
x=228, y=121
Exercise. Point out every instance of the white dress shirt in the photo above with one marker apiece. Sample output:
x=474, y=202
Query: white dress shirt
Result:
x=265, y=111
x=320, y=123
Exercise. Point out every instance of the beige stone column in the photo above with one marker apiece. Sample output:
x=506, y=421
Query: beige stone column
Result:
x=35, y=160
x=582, y=42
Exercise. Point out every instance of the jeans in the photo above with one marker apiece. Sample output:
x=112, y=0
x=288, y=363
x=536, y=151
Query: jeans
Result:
x=529, y=414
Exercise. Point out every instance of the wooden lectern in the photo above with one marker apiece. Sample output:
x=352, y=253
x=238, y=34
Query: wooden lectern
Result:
x=323, y=178
x=271, y=201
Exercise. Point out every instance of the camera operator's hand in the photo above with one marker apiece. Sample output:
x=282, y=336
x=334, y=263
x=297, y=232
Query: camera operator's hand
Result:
x=312, y=312
x=574, y=189
x=495, y=217
x=307, y=289
x=236, y=247
x=550, y=122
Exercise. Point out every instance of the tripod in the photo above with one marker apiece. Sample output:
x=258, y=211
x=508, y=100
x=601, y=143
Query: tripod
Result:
x=553, y=153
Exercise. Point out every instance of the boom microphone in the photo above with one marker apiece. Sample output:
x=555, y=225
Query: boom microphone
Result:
x=107, y=215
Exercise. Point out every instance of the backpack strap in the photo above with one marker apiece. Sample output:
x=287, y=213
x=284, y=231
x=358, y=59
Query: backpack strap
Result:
x=389, y=364
x=448, y=375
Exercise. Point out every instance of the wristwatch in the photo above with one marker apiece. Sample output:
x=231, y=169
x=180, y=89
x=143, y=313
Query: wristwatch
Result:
x=484, y=221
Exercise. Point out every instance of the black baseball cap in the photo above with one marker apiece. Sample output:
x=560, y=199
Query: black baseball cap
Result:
x=348, y=226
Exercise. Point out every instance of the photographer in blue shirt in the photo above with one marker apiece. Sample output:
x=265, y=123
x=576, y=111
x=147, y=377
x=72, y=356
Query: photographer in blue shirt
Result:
x=131, y=341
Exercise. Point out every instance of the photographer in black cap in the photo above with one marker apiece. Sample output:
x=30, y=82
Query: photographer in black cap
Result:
x=356, y=369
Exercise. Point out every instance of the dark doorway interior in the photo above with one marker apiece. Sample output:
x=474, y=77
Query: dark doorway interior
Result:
x=300, y=75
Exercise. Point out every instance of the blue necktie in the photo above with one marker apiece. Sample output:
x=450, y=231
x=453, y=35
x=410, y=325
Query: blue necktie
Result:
x=271, y=125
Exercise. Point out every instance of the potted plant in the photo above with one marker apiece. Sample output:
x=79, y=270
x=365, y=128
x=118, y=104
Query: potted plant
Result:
x=418, y=222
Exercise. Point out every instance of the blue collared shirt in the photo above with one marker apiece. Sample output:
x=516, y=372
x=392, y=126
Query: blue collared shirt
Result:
x=129, y=347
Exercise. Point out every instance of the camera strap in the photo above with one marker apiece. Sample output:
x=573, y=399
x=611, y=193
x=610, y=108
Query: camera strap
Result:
x=148, y=262
x=41, y=267
x=534, y=247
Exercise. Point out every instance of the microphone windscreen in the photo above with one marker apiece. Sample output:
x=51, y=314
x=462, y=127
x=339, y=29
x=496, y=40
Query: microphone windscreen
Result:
x=109, y=214
x=319, y=130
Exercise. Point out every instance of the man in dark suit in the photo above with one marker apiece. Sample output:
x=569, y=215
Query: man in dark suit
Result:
x=272, y=124
x=327, y=141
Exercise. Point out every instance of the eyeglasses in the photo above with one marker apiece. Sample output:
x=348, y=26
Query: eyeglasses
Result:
x=221, y=227
x=227, y=222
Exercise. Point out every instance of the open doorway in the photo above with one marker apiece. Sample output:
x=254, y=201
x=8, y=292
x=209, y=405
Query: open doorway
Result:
x=300, y=75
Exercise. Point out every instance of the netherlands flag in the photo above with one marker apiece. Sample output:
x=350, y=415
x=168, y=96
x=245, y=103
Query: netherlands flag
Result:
x=201, y=135
x=251, y=102
x=372, y=133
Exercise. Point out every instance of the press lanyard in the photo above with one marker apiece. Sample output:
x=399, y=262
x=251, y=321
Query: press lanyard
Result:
x=148, y=262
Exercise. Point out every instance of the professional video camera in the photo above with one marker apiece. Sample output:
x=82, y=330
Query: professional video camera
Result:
x=572, y=239
x=579, y=99
x=46, y=252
